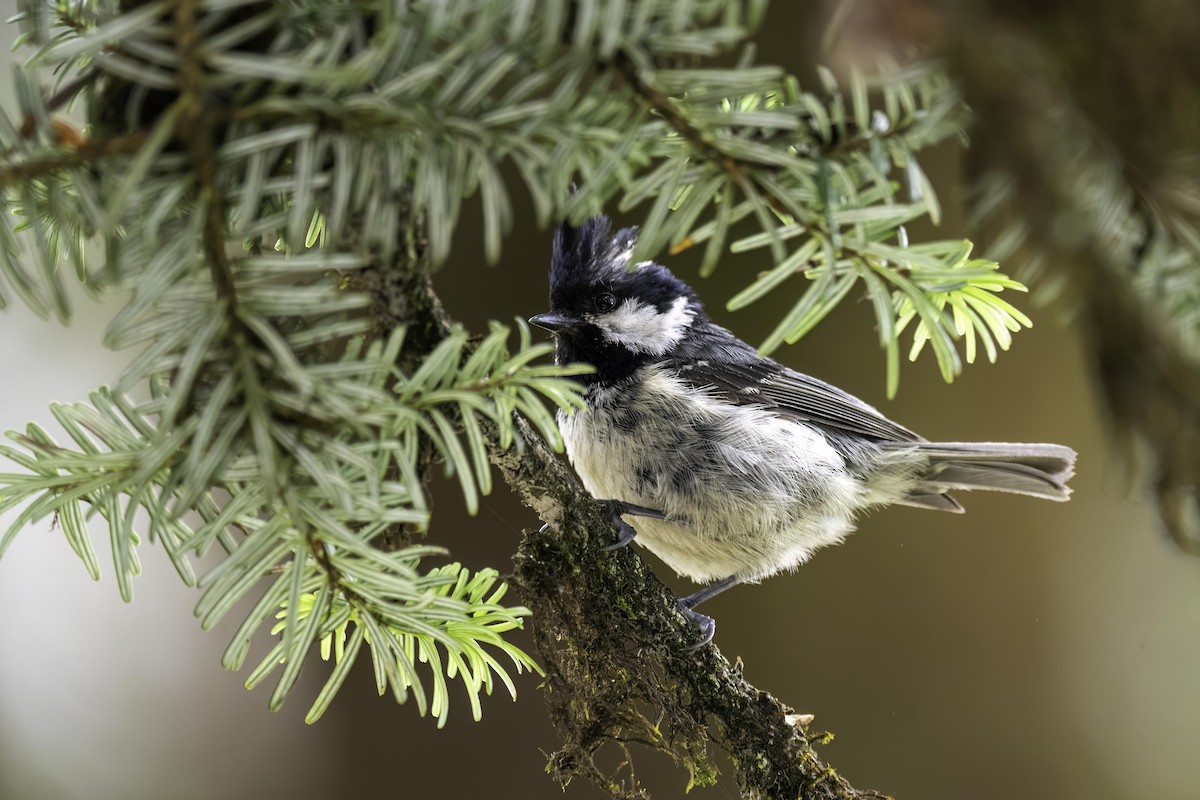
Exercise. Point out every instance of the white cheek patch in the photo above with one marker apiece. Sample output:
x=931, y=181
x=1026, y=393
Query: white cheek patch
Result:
x=644, y=328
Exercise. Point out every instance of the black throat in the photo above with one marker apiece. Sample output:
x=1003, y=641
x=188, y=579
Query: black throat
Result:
x=613, y=362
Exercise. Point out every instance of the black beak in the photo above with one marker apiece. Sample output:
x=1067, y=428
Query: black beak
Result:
x=554, y=321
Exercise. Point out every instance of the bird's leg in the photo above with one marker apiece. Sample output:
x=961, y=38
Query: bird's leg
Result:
x=706, y=624
x=625, y=530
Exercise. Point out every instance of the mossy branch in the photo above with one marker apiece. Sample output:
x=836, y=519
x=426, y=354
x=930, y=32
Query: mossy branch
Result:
x=613, y=644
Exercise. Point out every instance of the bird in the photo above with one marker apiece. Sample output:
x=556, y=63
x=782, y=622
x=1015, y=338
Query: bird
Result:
x=725, y=464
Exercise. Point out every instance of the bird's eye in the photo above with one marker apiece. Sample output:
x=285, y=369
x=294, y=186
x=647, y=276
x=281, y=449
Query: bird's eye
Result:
x=605, y=301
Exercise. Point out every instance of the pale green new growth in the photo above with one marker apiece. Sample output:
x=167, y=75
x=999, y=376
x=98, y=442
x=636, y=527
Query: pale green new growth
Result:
x=476, y=621
x=835, y=202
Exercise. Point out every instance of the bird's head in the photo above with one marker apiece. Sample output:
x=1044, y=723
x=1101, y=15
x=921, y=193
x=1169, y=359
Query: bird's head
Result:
x=606, y=313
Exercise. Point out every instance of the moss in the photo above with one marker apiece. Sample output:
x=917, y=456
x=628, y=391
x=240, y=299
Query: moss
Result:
x=626, y=606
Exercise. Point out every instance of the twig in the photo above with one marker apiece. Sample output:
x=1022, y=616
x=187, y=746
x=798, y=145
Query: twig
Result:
x=197, y=129
x=58, y=99
x=85, y=153
x=662, y=105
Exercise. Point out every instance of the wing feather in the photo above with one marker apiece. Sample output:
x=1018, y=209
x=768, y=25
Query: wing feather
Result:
x=737, y=373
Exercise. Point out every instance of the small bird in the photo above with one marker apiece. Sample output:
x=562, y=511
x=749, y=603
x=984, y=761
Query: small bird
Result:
x=727, y=465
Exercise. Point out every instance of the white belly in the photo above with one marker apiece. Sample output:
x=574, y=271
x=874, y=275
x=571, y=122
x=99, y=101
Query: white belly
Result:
x=745, y=492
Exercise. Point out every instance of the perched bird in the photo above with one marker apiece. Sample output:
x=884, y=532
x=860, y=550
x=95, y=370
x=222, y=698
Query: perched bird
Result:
x=729, y=466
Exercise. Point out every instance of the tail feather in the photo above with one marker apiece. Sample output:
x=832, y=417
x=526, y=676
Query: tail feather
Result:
x=1039, y=470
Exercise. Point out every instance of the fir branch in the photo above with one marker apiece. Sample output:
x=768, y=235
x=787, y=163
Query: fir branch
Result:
x=660, y=104
x=319, y=532
x=86, y=152
x=481, y=619
x=196, y=127
x=64, y=95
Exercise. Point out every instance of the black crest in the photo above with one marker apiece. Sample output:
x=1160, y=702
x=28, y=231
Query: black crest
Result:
x=591, y=256
x=587, y=254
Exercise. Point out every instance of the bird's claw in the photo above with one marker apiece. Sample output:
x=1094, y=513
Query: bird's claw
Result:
x=706, y=624
x=625, y=535
x=626, y=532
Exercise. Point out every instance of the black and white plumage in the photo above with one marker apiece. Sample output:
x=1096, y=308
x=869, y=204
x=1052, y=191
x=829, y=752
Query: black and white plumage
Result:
x=751, y=466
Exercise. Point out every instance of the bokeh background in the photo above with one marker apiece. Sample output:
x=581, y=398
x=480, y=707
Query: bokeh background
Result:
x=1024, y=650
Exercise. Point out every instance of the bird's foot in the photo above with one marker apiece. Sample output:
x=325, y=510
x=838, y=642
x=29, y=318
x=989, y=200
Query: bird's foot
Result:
x=625, y=535
x=706, y=624
x=625, y=531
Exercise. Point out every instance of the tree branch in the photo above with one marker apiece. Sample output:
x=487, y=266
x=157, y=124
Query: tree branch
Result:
x=196, y=128
x=662, y=105
x=613, y=645
x=58, y=99
x=78, y=156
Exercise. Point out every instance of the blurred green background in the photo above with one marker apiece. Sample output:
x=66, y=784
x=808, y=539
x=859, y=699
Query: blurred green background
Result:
x=1024, y=650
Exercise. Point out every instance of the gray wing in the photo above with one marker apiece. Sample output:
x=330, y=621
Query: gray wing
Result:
x=721, y=363
x=734, y=370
